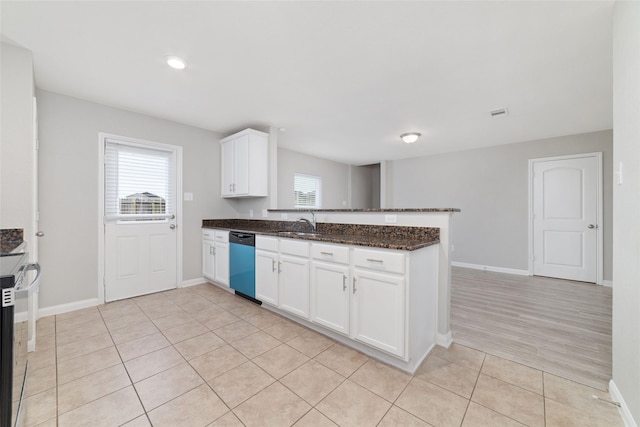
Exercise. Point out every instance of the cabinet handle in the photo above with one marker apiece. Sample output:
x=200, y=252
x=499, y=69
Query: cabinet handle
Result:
x=273, y=265
x=354, y=285
x=234, y=187
x=379, y=261
x=230, y=187
x=344, y=283
x=327, y=253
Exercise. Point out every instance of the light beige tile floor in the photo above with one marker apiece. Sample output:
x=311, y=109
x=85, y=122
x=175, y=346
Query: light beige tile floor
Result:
x=200, y=356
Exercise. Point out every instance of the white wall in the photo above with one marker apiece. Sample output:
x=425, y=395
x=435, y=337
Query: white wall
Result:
x=334, y=176
x=16, y=141
x=69, y=216
x=626, y=202
x=490, y=186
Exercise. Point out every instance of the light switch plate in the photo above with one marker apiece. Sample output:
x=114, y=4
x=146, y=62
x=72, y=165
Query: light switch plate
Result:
x=188, y=197
x=265, y=213
x=391, y=219
x=250, y=213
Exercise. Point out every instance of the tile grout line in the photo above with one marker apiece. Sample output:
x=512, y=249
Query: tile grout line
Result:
x=484, y=358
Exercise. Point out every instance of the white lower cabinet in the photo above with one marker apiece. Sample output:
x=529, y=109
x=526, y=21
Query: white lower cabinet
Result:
x=208, y=260
x=378, y=310
x=266, y=276
x=222, y=263
x=382, y=299
x=330, y=285
x=294, y=285
x=282, y=274
x=215, y=256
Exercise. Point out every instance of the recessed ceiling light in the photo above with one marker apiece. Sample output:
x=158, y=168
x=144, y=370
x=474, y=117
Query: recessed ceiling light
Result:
x=177, y=63
x=410, y=137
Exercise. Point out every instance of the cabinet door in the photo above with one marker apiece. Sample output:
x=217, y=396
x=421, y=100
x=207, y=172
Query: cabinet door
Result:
x=294, y=285
x=222, y=263
x=226, y=167
x=208, y=264
x=330, y=295
x=241, y=166
x=267, y=277
x=379, y=310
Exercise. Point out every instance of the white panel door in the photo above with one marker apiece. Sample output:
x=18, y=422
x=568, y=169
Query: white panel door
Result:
x=267, y=276
x=139, y=259
x=208, y=259
x=294, y=285
x=241, y=165
x=378, y=310
x=221, y=251
x=227, y=168
x=330, y=295
x=140, y=226
x=565, y=213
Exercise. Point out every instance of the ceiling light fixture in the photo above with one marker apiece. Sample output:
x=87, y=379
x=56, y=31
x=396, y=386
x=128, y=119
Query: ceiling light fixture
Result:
x=177, y=63
x=410, y=137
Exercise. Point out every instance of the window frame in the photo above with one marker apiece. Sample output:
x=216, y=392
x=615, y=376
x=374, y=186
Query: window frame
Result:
x=318, y=190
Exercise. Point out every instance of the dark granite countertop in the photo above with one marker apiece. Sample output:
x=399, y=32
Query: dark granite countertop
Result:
x=376, y=236
x=11, y=240
x=397, y=210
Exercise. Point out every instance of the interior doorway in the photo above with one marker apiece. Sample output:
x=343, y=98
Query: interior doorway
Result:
x=565, y=219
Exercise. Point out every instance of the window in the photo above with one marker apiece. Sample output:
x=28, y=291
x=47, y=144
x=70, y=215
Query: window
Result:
x=139, y=182
x=307, y=191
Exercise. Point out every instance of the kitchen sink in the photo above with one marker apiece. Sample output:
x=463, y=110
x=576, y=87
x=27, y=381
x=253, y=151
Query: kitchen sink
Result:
x=300, y=234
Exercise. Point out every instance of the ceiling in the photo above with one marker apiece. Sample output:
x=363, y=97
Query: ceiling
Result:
x=344, y=78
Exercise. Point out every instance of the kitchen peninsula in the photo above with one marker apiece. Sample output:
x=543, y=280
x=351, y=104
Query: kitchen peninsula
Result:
x=374, y=279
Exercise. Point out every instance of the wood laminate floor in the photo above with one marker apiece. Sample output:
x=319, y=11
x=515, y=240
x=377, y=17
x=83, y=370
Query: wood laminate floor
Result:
x=558, y=326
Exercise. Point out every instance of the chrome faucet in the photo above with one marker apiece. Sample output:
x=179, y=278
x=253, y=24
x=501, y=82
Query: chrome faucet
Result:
x=312, y=223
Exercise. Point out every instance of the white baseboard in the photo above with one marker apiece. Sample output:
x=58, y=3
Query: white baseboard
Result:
x=607, y=283
x=490, y=268
x=616, y=396
x=444, y=340
x=192, y=282
x=65, y=308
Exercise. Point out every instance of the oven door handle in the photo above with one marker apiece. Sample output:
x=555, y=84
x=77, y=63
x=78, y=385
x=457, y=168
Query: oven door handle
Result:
x=35, y=284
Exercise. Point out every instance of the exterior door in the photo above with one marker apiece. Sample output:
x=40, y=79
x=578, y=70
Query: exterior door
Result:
x=140, y=219
x=565, y=218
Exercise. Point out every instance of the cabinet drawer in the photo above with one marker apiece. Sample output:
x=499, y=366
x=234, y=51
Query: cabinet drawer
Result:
x=294, y=247
x=392, y=262
x=267, y=243
x=222, y=236
x=332, y=253
x=208, y=234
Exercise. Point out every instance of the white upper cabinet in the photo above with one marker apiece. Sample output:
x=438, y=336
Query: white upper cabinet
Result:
x=244, y=164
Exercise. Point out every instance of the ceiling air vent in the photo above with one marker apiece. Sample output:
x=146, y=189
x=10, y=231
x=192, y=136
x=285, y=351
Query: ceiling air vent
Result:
x=502, y=112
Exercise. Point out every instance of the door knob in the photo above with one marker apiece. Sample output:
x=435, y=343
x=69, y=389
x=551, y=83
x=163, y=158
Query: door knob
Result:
x=591, y=226
x=172, y=226
x=39, y=234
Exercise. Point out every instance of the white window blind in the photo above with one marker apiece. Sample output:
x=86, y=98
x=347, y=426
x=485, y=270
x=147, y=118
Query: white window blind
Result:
x=139, y=182
x=307, y=191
